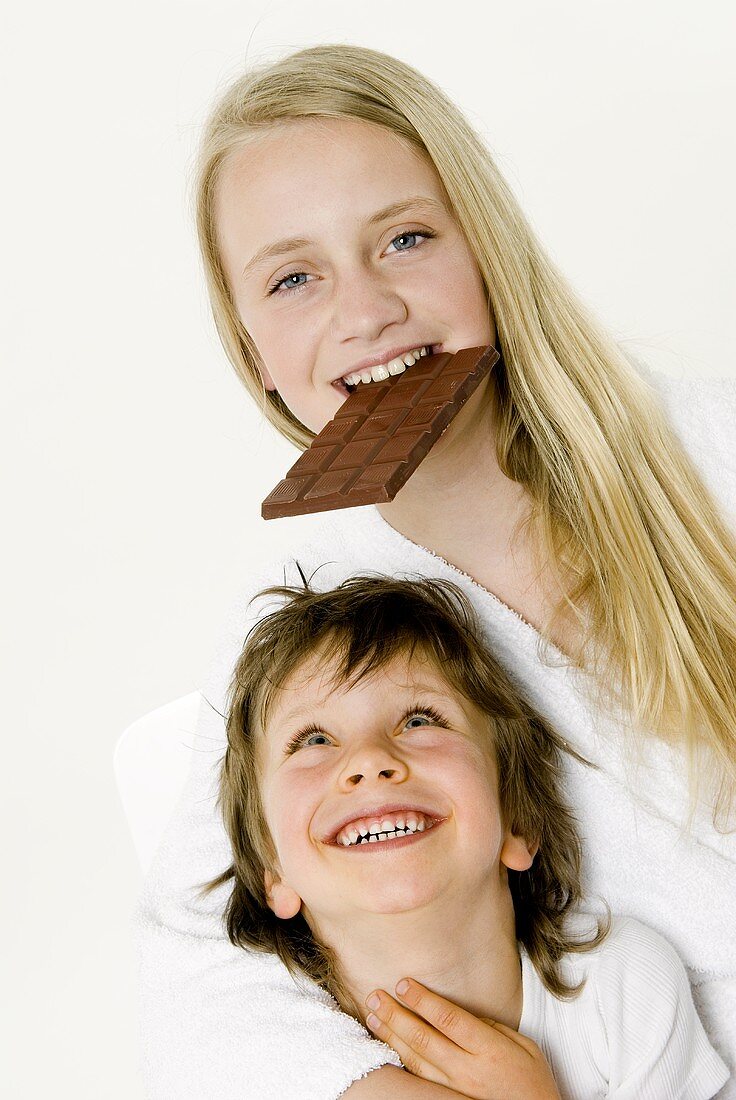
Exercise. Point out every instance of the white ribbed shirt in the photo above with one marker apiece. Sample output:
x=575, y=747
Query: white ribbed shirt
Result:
x=632, y=1033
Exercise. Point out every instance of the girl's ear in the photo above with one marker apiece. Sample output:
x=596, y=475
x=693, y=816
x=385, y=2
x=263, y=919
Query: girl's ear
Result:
x=282, y=900
x=517, y=853
x=268, y=381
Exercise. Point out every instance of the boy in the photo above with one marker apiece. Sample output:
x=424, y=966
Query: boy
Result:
x=394, y=808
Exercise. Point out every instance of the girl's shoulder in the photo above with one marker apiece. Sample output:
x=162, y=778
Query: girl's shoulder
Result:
x=702, y=411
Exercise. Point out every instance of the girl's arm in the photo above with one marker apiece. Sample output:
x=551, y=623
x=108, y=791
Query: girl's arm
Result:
x=216, y=1020
x=391, y=1082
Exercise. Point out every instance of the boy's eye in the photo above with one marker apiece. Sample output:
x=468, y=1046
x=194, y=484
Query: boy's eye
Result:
x=418, y=718
x=426, y=715
x=422, y=715
x=303, y=737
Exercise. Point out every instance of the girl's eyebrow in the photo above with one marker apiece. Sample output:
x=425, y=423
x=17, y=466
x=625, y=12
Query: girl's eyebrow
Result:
x=291, y=244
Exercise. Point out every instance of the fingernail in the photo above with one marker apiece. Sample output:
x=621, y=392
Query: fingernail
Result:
x=402, y=986
x=372, y=1021
x=373, y=1001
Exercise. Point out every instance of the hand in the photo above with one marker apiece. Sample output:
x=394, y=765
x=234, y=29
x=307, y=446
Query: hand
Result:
x=475, y=1056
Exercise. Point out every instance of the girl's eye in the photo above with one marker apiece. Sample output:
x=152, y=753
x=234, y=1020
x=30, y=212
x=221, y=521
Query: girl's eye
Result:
x=409, y=237
x=285, y=279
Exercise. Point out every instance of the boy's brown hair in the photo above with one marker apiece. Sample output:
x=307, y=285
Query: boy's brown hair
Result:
x=361, y=626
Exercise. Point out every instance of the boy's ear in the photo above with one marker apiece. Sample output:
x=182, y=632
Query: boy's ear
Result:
x=517, y=853
x=282, y=900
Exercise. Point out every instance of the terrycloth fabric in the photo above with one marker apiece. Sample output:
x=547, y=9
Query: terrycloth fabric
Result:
x=221, y=1023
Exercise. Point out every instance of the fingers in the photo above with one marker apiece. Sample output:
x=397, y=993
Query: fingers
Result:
x=464, y=1029
x=422, y=1049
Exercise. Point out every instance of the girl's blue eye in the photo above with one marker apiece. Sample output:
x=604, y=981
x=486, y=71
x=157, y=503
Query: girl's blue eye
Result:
x=407, y=237
x=275, y=288
x=285, y=279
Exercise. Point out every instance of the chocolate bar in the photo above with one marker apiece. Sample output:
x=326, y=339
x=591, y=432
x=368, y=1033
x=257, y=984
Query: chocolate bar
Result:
x=379, y=435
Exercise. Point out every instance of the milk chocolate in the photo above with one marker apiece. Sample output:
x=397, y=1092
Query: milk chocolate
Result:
x=379, y=435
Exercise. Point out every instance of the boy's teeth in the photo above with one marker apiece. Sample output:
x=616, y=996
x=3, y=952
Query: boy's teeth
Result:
x=379, y=830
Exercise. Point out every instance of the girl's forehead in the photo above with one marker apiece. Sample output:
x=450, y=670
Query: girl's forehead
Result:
x=301, y=156
x=327, y=136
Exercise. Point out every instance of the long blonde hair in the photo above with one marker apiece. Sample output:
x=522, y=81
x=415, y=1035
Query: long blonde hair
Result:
x=642, y=553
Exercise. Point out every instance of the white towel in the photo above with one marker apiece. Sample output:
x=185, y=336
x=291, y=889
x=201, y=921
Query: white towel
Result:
x=222, y=1023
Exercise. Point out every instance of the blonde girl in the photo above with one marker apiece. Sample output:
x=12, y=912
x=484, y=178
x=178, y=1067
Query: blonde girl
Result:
x=350, y=220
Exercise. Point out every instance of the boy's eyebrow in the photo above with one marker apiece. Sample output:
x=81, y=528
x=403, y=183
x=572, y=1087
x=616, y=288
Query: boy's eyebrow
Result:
x=290, y=244
x=411, y=689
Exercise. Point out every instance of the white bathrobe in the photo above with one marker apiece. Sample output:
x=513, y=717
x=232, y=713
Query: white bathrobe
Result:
x=220, y=1023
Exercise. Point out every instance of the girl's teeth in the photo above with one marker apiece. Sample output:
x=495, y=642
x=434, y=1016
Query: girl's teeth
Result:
x=384, y=370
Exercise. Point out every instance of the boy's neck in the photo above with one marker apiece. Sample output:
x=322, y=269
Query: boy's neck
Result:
x=464, y=952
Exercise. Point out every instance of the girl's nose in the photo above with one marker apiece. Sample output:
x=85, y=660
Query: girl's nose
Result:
x=365, y=303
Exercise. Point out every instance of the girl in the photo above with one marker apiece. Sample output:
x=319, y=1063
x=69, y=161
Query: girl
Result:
x=348, y=216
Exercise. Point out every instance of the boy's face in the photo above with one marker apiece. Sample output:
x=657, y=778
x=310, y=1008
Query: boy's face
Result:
x=398, y=749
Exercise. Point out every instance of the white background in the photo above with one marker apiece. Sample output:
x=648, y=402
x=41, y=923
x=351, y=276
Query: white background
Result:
x=133, y=463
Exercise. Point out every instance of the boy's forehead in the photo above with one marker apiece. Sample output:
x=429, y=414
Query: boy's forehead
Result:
x=315, y=682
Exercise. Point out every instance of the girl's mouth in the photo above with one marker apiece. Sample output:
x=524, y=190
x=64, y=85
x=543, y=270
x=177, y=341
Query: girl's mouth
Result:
x=350, y=382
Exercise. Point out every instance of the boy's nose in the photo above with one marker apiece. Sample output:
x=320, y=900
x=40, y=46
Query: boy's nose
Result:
x=372, y=761
x=385, y=773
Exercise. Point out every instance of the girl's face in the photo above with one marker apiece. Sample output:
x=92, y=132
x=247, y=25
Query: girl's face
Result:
x=339, y=249
x=401, y=744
